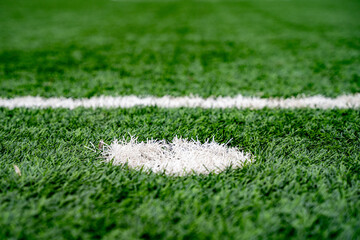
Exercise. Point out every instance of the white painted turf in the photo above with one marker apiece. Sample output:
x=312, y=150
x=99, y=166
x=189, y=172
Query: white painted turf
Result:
x=177, y=158
x=240, y=102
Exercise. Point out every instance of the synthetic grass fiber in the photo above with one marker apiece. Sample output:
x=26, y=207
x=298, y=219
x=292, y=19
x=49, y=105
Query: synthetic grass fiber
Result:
x=260, y=48
x=305, y=182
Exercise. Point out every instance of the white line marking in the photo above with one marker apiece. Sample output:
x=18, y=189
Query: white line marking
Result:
x=179, y=157
x=344, y=101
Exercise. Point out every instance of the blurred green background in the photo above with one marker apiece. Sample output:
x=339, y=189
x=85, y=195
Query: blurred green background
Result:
x=264, y=48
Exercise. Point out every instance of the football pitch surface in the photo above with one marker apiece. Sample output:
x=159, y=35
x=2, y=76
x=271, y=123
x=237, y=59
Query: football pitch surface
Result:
x=305, y=180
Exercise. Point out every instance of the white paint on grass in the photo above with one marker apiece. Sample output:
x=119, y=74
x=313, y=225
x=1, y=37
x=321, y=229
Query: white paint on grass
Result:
x=344, y=101
x=178, y=158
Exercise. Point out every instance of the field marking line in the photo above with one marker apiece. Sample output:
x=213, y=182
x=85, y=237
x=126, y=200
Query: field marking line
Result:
x=179, y=157
x=240, y=102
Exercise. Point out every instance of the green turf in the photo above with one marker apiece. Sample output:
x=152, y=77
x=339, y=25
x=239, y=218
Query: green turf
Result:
x=263, y=48
x=305, y=182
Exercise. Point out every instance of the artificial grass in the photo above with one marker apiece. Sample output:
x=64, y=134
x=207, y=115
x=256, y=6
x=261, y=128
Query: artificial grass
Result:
x=304, y=183
x=262, y=48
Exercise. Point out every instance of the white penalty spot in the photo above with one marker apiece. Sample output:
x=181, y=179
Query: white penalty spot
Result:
x=177, y=158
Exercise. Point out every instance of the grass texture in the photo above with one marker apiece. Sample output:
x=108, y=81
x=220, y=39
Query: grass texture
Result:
x=260, y=48
x=304, y=183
